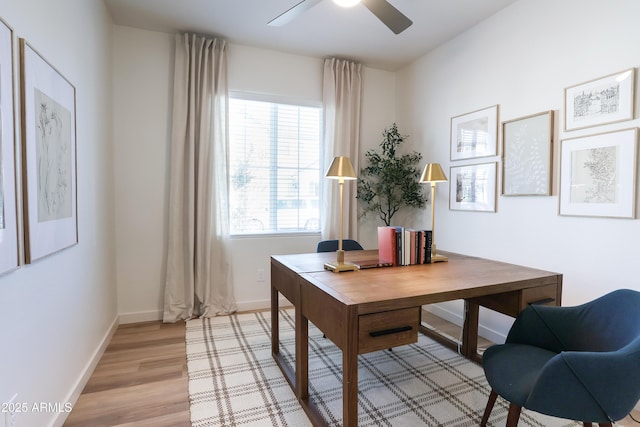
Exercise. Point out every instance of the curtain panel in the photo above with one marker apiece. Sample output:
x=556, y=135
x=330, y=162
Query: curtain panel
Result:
x=198, y=272
x=342, y=95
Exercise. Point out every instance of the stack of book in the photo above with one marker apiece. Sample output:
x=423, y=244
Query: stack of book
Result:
x=404, y=246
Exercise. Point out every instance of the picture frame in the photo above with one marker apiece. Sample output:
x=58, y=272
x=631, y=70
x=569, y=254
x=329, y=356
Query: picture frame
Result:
x=604, y=100
x=598, y=175
x=48, y=156
x=527, y=155
x=475, y=134
x=9, y=250
x=473, y=187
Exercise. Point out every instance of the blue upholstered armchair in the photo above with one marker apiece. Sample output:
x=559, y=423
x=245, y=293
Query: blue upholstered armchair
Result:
x=580, y=363
x=332, y=245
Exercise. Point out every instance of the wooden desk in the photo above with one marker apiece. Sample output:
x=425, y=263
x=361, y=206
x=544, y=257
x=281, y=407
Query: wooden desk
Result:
x=379, y=308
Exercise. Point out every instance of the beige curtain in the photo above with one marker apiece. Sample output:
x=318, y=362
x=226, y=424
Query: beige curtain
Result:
x=198, y=275
x=342, y=93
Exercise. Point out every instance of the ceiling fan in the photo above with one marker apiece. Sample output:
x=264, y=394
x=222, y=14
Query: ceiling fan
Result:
x=389, y=15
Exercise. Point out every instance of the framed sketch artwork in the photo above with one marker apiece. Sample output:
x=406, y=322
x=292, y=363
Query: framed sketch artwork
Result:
x=608, y=99
x=8, y=214
x=527, y=147
x=49, y=156
x=474, y=134
x=473, y=187
x=598, y=175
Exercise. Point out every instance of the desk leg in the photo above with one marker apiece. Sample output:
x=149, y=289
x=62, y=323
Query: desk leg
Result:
x=470, y=331
x=302, y=355
x=350, y=372
x=275, y=322
x=287, y=369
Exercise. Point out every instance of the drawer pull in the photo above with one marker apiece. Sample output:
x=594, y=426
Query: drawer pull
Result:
x=543, y=301
x=390, y=331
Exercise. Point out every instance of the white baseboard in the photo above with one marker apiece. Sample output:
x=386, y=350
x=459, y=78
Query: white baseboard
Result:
x=153, y=315
x=456, y=318
x=140, y=316
x=261, y=304
x=75, y=392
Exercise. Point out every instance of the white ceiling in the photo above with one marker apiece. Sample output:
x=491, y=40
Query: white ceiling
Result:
x=322, y=31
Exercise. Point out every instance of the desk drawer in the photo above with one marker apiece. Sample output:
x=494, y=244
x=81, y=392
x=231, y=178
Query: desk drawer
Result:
x=512, y=303
x=540, y=295
x=388, y=329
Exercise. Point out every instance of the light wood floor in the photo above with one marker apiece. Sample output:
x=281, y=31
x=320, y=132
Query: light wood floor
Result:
x=141, y=379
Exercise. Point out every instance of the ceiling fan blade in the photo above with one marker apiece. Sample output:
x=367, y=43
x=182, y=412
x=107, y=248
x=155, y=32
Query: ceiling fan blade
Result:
x=389, y=15
x=293, y=13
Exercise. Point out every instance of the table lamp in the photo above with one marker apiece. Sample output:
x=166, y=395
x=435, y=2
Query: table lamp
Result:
x=433, y=173
x=340, y=169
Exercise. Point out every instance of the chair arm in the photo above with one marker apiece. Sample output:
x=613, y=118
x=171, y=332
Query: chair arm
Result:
x=535, y=326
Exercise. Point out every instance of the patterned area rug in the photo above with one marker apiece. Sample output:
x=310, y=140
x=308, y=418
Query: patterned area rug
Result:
x=234, y=381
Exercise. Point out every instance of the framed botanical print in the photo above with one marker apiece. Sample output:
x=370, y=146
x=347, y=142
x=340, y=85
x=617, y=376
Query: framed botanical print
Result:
x=604, y=100
x=598, y=175
x=473, y=187
x=9, y=259
x=49, y=156
x=474, y=134
x=527, y=151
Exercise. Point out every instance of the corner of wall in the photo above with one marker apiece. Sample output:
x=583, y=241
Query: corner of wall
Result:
x=86, y=373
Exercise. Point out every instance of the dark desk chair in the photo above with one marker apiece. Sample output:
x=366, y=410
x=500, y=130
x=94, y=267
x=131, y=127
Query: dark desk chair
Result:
x=580, y=363
x=332, y=245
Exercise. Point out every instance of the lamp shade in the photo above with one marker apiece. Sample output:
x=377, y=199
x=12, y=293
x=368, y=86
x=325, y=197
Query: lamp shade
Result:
x=341, y=168
x=433, y=173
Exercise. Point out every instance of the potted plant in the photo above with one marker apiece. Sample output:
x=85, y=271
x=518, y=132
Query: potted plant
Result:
x=390, y=180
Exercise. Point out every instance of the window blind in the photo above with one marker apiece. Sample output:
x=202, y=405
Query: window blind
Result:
x=274, y=167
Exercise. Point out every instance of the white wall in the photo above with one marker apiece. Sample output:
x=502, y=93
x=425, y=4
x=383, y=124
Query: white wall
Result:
x=522, y=59
x=143, y=66
x=142, y=111
x=57, y=312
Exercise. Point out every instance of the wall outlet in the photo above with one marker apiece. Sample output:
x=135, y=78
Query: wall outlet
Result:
x=260, y=275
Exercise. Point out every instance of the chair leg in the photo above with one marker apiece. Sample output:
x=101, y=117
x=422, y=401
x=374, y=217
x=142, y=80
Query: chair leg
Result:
x=487, y=411
x=586, y=424
x=514, y=415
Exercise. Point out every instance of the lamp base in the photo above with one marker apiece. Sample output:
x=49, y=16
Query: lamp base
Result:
x=439, y=258
x=435, y=257
x=338, y=267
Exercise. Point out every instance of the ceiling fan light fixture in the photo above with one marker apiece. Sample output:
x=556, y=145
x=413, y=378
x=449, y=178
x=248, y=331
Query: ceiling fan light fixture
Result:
x=346, y=3
x=395, y=20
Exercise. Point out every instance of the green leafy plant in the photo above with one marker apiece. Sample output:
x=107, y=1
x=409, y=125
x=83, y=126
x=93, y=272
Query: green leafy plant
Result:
x=390, y=181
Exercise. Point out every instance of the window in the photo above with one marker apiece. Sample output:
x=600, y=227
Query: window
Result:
x=274, y=152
